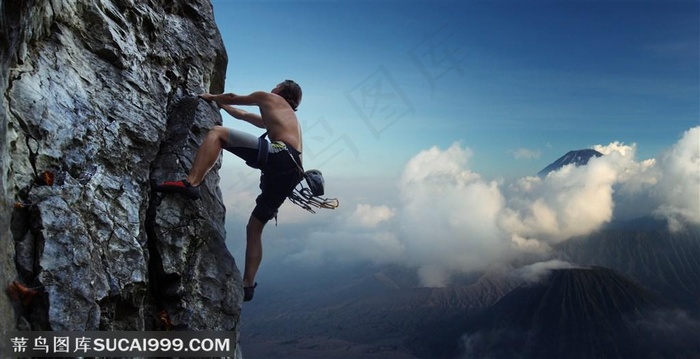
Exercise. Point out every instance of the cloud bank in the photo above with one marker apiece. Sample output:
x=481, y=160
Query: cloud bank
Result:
x=448, y=219
x=526, y=154
x=678, y=188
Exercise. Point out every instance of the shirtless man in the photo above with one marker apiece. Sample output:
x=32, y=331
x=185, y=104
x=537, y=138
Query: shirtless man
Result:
x=280, y=173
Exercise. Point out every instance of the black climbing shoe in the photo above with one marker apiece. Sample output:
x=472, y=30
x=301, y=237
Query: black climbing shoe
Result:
x=248, y=292
x=182, y=187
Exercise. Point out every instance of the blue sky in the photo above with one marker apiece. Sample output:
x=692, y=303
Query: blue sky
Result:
x=427, y=118
x=519, y=84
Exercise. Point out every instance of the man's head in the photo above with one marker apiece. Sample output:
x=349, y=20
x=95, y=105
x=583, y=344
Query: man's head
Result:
x=290, y=91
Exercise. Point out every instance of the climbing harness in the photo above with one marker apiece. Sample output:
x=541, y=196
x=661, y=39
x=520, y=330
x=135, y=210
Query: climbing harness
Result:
x=263, y=153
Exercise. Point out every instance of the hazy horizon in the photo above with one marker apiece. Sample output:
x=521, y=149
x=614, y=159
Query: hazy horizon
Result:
x=430, y=121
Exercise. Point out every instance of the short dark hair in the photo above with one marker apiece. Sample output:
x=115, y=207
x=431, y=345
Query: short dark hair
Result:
x=291, y=91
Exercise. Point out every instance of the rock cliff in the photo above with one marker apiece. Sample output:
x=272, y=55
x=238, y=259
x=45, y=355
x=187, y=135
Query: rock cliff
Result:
x=96, y=104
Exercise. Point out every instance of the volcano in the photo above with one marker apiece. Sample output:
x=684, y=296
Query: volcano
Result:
x=577, y=158
x=575, y=313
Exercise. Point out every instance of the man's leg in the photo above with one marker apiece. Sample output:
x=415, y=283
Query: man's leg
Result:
x=253, y=256
x=253, y=250
x=241, y=144
x=207, y=154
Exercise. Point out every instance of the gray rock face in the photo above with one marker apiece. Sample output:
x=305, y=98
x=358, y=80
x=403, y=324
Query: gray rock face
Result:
x=97, y=103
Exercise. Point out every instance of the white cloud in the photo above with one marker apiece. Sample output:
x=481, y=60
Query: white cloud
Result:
x=526, y=154
x=434, y=275
x=346, y=246
x=452, y=220
x=448, y=214
x=447, y=219
x=678, y=188
x=535, y=272
x=369, y=216
x=616, y=147
x=569, y=202
x=363, y=234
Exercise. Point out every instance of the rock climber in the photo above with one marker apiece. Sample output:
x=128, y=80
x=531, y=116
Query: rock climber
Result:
x=279, y=159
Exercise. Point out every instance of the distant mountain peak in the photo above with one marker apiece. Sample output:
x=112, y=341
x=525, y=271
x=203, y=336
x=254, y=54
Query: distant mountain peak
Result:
x=577, y=157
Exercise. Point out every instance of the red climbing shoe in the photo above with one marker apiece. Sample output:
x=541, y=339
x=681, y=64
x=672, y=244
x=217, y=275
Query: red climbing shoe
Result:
x=182, y=187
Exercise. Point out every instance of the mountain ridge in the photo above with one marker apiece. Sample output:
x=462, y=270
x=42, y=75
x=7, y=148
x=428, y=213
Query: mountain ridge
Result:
x=432, y=322
x=667, y=262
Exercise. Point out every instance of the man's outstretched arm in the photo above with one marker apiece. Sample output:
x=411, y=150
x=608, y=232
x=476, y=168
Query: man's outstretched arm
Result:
x=252, y=118
x=225, y=100
x=253, y=99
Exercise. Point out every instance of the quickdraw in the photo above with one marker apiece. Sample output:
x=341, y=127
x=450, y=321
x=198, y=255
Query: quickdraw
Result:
x=307, y=197
x=302, y=197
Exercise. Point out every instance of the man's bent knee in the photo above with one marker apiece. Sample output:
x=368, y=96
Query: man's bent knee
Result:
x=262, y=212
x=219, y=133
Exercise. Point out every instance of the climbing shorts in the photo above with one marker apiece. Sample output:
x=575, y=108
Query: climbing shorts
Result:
x=279, y=172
